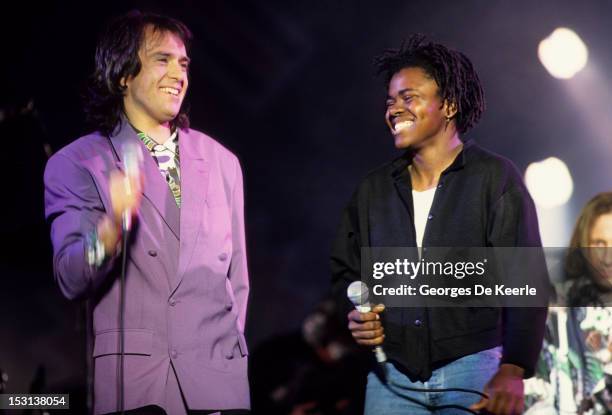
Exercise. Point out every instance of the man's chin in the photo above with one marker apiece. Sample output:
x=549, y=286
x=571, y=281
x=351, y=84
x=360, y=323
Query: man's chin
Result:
x=170, y=115
x=402, y=143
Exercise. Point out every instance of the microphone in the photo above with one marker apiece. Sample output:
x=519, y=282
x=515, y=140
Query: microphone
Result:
x=132, y=160
x=358, y=293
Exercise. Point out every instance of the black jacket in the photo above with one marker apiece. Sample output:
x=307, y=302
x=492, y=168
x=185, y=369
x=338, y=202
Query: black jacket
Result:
x=480, y=201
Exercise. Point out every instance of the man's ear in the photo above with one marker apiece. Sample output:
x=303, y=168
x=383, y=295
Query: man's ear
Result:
x=450, y=109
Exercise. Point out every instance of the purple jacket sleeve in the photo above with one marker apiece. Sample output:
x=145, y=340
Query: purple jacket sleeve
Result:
x=238, y=271
x=72, y=208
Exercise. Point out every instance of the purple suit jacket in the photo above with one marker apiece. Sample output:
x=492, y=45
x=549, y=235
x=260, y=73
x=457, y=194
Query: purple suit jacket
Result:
x=187, y=280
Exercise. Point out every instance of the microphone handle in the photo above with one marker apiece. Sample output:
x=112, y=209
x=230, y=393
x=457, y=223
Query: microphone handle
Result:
x=381, y=357
x=126, y=220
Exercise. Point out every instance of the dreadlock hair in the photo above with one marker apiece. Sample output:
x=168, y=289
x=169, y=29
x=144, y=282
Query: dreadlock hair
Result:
x=116, y=59
x=453, y=72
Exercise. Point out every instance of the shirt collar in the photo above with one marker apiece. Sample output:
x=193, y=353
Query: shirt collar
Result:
x=170, y=143
x=401, y=163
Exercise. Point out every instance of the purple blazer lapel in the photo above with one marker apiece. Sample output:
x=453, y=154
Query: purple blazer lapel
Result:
x=155, y=189
x=194, y=187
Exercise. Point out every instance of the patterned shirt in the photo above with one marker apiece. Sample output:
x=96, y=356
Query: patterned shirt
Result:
x=167, y=158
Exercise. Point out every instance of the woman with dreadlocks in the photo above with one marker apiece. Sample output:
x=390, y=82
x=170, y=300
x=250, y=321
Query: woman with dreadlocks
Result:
x=444, y=191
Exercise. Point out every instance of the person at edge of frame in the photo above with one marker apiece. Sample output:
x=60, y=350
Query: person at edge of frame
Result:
x=444, y=191
x=186, y=277
x=586, y=292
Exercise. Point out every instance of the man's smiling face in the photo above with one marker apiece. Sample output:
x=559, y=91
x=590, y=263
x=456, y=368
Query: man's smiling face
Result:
x=155, y=95
x=415, y=112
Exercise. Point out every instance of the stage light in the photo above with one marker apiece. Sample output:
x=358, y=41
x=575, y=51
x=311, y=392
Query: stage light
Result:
x=549, y=182
x=563, y=53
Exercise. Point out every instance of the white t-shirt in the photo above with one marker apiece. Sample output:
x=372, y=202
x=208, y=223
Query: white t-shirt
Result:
x=422, y=204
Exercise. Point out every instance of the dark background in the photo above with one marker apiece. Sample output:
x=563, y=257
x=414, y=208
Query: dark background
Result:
x=289, y=87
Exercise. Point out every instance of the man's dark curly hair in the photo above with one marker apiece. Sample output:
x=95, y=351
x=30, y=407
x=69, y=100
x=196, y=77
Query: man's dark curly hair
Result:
x=457, y=80
x=116, y=59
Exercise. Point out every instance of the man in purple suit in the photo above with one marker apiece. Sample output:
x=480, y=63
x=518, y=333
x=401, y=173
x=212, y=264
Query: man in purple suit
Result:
x=186, y=280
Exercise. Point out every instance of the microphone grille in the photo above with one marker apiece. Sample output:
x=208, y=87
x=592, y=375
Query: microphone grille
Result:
x=358, y=293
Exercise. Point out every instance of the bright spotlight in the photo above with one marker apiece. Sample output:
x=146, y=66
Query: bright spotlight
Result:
x=549, y=182
x=563, y=53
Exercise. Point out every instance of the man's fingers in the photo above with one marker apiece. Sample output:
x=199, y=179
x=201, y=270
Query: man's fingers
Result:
x=520, y=406
x=503, y=403
x=370, y=334
x=499, y=405
x=362, y=317
x=371, y=342
x=367, y=326
x=495, y=404
x=379, y=308
x=108, y=234
x=510, y=408
x=479, y=405
x=513, y=406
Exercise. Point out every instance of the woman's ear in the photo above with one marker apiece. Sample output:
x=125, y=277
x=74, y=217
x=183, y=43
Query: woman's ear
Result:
x=450, y=109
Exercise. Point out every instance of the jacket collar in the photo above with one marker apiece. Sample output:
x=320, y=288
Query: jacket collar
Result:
x=400, y=164
x=155, y=188
x=195, y=168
